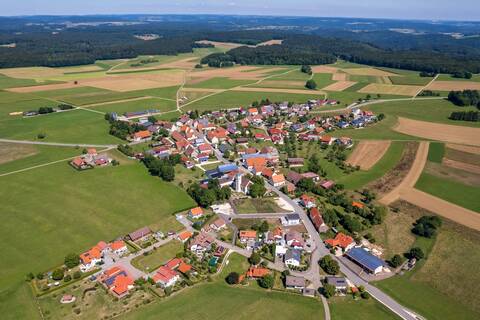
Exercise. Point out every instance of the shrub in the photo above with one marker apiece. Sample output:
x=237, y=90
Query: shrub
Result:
x=266, y=281
x=328, y=290
x=67, y=278
x=232, y=278
x=329, y=265
x=57, y=274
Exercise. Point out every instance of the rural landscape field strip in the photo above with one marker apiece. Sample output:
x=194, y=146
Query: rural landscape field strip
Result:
x=368, y=153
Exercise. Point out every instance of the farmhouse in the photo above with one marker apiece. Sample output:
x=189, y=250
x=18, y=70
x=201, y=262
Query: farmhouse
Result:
x=341, y=240
x=317, y=220
x=142, y=136
x=366, y=260
x=140, y=234
x=166, y=277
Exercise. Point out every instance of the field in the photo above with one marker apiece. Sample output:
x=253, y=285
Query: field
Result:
x=454, y=85
x=255, y=303
x=74, y=207
x=339, y=86
x=368, y=72
x=159, y=257
x=345, y=308
x=443, y=286
x=137, y=105
x=219, y=83
x=243, y=206
x=377, y=88
x=367, y=153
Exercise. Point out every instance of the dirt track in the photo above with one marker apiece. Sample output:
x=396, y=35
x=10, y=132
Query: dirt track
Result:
x=438, y=131
x=368, y=153
x=443, y=208
x=412, y=176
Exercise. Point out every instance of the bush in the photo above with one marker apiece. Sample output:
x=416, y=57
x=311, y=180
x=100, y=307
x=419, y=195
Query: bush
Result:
x=416, y=253
x=311, y=84
x=365, y=295
x=77, y=275
x=427, y=226
x=266, y=281
x=396, y=261
x=67, y=278
x=329, y=265
x=232, y=278
x=72, y=260
x=255, y=258
x=328, y=290
x=57, y=274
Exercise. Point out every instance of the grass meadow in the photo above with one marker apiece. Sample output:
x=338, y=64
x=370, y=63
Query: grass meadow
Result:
x=51, y=211
x=137, y=105
x=220, y=83
x=345, y=308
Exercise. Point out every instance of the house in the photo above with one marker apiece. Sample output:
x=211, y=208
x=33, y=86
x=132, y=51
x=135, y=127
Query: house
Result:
x=358, y=205
x=195, y=213
x=253, y=111
x=292, y=219
x=201, y=244
x=218, y=224
x=166, y=277
x=310, y=175
x=184, y=268
x=327, y=184
x=277, y=180
x=292, y=258
x=242, y=183
x=142, y=135
x=119, y=247
x=255, y=162
x=140, y=234
x=295, y=162
x=294, y=177
x=117, y=281
x=184, y=236
x=341, y=240
x=247, y=235
x=366, y=260
x=307, y=201
x=257, y=272
x=317, y=220
x=326, y=139
x=340, y=284
x=173, y=263
x=290, y=187
x=79, y=164
x=90, y=258
x=294, y=239
x=297, y=283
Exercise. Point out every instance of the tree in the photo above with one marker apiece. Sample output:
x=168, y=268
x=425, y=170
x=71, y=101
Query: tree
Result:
x=416, y=253
x=255, y=258
x=29, y=276
x=266, y=281
x=72, y=260
x=427, y=226
x=232, y=278
x=257, y=190
x=365, y=295
x=264, y=227
x=396, y=261
x=329, y=265
x=57, y=274
x=306, y=69
x=328, y=290
x=311, y=84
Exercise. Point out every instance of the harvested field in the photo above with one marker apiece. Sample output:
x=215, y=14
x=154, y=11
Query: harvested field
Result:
x=241, y=73
x=31, y=72
x=462, y=156
x=187, y=63
x=368, y=153
x=339, y=86
x=201, y=90
x=443, y=208
x=295, y=91
x=461, y=165
x=406, y=172
x=391, y=89
x=324, y=69
x=454, y=85
x=221, y=45
x=452, y=174
x=468, y=149
x=369, y=72
x=440, y=132
x=11, y=151
x=281, y=83
x=340, y=76
x=48, y=87
x=269, y=43
x=81, y=69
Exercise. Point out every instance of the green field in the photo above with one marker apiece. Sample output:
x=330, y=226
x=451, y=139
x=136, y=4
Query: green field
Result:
x=449, y=190
x=323, y=79
x=295, y=75
x=448, y=77
x=414, y=80
x=76, y=126
x=220, y=83
x=444, y=286
x=345, y=308
x=7, y=82
x=436, y=151
x=360, y=178
x=158, y=257
x=236, y=302
x=268, y=205
x=368, y=79
x=96, y=96
x=51, y=211
x=137, y=105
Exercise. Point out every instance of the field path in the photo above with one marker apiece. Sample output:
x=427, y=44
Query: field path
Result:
x=412, y=176
x=426, y=86
x=443, y=208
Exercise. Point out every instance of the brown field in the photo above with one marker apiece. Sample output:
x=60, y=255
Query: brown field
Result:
x=324, y=69
x=386, y=80
x=221, y=45
x=295, y=91
x=441, y=207
x=31, y=72
x=440, y=132
x=340, y=76
x=391, y=89
x=454, y=85
x=47, y=87
x=187, y=63
x=237, y=73
x=368, y=153
x=89, y=68
x=444, y=171
x=468, y=149
x=282, y=83
x=369, y=72
x=339, y=86
x=461, y=165
x=269, y=43
x=412, y=176
x=11, y=151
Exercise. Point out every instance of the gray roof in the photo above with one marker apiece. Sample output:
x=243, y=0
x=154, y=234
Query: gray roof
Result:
x=293, y=254
x=292, y=216
x=365, y=259
x=140, y=233
x=337, y=281
x=291, y=281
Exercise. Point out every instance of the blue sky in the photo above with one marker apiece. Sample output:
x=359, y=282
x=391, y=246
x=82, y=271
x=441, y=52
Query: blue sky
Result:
x=406, y=9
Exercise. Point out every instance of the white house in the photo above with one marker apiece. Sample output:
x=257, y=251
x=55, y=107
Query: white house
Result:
x=166, y=277
x=292, y=258
x=292, y=219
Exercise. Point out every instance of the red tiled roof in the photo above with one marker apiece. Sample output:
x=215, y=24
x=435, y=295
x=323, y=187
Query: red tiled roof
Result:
x=248, y=234
x=197, y=211
x=184, y=268
x=257, y=272
x=121, y=284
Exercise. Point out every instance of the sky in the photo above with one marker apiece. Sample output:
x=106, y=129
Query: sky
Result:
x=401, y=9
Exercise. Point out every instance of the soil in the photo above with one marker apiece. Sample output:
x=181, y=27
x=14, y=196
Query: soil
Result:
x=368, y=153
x=339, y=86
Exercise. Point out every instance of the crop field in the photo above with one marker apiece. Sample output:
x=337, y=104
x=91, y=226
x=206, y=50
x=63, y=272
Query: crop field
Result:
x=368, y=153
x=371, y=79
x=454, y=85
x=323, y=79
x=441, y=287
x=377, y=88
x=448, y=77
x=7, y=82
x=70, y=211
x=136, y=105
x=220, y=83
x=368, y=72
x=237, y=73
x=280, y=84
x=95, y=97
x=339, y=86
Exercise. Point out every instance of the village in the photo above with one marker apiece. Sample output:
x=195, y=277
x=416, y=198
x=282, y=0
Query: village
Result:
x=251, y=150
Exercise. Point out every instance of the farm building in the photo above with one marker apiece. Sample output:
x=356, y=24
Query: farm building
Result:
x=366, y=260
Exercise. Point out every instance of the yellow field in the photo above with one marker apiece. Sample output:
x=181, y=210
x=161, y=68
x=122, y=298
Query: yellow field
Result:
x=378, y=88
x=339, y=86
x=31, y=72
x=369, y=72
x=454, y=85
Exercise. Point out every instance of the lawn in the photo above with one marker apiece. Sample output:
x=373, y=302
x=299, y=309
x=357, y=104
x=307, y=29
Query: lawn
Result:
x=264, y=205
x=158, y=257
x=220, y=83
x=444, y=286
x=230, y=99
x=51, y=211
x=236, y=302
x=76, y=126
x=137, y=105
x=95, y=96
x=449, y=190
x=345, y=308
x=358, y=179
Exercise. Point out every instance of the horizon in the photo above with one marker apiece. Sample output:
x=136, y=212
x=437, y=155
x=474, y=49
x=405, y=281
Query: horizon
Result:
x=441, y=10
